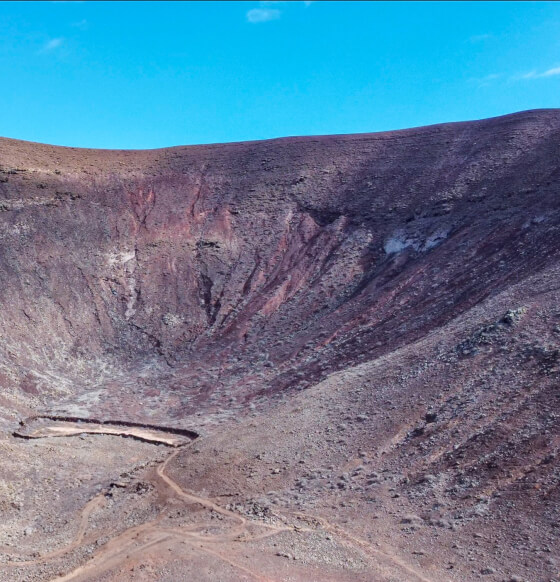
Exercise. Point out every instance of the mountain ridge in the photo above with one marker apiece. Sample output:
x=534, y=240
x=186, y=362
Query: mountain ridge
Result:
x=391, y=132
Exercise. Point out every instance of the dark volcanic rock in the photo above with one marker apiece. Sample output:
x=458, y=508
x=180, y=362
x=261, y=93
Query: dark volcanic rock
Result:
x=224, y=272
x=364, y=327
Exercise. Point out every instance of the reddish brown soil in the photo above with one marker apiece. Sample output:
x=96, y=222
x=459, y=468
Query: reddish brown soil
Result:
x=363, y=329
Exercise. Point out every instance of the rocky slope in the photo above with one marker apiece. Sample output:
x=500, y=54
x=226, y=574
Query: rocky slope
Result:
x=364, y=328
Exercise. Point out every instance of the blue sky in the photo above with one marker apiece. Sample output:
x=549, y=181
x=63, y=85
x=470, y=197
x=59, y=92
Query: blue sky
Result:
x=146, y=75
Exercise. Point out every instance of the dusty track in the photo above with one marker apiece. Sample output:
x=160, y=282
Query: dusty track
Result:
x=88, y=509
x=384, y=556
x=135, y=541
x=125, y=546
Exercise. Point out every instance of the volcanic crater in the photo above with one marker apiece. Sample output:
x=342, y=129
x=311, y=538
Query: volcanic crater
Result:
x=351, y=342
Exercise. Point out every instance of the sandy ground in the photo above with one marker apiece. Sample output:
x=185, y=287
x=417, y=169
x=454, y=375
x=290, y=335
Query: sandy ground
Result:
x=144, y=434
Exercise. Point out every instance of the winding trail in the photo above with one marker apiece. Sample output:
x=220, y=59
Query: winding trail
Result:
x=384, y=555
x=190, y=496
x=135, y=541
x=88, y=509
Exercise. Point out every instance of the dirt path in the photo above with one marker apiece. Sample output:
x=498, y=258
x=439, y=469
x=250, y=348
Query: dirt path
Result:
x=134, y=542
x=88, y=509
x=126, y=545
x=382, y=555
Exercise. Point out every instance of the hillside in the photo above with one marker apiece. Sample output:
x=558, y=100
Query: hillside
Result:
x=363, y=330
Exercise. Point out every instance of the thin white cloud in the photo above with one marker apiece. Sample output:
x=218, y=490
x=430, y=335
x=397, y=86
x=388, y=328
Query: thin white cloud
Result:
x=487, y=80
x=480, y=37
x=81, y=24
x=551, y=72
x=530, y=75
x=268, y=10
x=536, y=75
x=51, y=45
x=257, y=15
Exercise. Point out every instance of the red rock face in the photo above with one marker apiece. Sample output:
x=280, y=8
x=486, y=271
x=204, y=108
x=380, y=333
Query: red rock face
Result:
x=243, y=269
x=366, y=325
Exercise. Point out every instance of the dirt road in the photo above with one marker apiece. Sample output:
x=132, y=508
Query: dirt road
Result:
x=130, y=546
